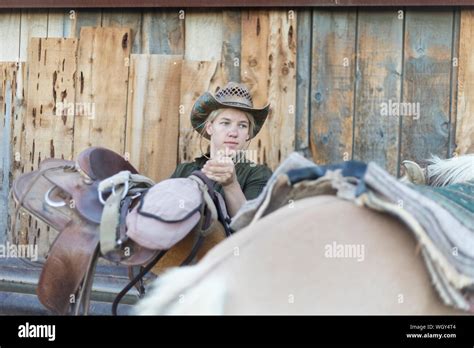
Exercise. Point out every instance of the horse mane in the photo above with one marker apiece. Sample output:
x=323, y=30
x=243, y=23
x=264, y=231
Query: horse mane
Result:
x=442, y=172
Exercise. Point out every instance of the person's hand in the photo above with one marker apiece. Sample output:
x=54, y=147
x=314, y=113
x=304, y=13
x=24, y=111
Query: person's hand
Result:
x=221, y=170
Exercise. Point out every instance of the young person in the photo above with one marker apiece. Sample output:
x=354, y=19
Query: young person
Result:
x=229, y=121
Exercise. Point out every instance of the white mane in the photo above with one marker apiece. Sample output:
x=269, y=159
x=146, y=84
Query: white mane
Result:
x=441, y=172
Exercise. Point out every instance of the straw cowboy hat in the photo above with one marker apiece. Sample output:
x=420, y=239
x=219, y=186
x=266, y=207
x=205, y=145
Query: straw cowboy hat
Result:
x=233, y=95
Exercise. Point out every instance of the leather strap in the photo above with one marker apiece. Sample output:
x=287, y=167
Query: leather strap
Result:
x=216, y=198
x=110, y=221
x=207, y=219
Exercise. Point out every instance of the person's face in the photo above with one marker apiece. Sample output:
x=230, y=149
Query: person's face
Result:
x=229, y=131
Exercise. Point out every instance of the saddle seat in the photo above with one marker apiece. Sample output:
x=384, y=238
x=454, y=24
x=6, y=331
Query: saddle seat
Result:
x=92, y=166
x=99, y=163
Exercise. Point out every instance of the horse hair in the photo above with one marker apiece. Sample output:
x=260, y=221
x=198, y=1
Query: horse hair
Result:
x=442, y=172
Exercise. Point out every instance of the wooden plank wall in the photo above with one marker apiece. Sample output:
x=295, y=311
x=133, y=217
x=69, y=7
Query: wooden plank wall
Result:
x=268, y=52
x=334, y=78
x=152, y=135
x=48, y=131
x=465, y=113
x=103, y=61
x=8, y=88
x=378, y=69
x=333, y=62
x=428, y=63
x=387, y=85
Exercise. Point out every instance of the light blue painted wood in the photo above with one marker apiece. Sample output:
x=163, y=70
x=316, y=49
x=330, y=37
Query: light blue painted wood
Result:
x=10, y=35
x=332, y=84
x=231, y=42
x=303, y=79
x=126, y=19
x=5, y=157
x=427, y=79
x=60, y=23
x=34, y=23
x=454, y=82
x=162, y=32
x=85, y=18
x=378, y=87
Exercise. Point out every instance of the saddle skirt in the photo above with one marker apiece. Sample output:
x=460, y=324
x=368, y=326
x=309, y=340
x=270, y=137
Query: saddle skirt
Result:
x=169, y=210
x=442, y=219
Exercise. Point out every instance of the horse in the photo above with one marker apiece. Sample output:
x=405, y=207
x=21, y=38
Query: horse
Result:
x=287, y=263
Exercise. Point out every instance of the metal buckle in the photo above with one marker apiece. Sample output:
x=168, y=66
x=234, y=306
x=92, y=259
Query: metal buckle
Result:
x=124, y=194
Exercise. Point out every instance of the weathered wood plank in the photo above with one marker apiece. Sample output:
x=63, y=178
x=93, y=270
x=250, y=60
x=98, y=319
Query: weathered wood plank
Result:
x=84, y=18
x=255, y=73
x=269, y=69
x=129, y=18
x=379, y=64
x=5, y=98
x=163, y=32
x=197, y=77
x=282, y=87
x=19, y=235
x=465, y=102
x=204, y=34
x=49, y=117
x=153, y=114
x=7, y=108
x=51, y=63
x=101, y=93
x=454, y=82
x=232, y=28
x=34, y=23
x=428, y=45
x=60, y=23
x=19, y=117
x=303, y=80
x=332, y=85
x=10, y=29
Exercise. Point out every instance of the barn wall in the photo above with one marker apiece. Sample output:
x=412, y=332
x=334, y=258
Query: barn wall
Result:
x=334, y=78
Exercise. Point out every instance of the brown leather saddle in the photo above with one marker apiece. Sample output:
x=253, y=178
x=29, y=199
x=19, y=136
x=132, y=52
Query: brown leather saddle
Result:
x=64, y=194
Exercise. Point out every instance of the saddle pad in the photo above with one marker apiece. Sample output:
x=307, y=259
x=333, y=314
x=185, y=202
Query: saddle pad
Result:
x=458, y=199
x=247, y=212
x=166, y=214
x=443, y=223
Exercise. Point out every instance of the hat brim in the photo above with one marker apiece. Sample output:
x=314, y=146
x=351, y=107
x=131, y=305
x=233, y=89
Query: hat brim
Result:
x=207, y=104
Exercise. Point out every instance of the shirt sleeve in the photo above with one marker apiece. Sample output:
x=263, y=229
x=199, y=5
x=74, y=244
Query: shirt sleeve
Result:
x=258, y=179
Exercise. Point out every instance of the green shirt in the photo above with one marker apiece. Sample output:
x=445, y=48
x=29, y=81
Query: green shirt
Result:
x=252, y=177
